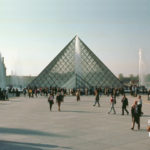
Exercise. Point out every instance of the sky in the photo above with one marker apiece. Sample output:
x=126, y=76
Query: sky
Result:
x=33, y=32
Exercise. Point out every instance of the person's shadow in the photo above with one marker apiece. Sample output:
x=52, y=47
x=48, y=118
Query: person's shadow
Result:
x=29, y=132
x=145, y=116
x=11, y=145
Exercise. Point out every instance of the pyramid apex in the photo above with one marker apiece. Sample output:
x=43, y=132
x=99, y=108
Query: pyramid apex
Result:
x=76, y=36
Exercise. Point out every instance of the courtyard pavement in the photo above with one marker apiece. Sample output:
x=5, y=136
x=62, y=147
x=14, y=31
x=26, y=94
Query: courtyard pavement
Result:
x=27, y=124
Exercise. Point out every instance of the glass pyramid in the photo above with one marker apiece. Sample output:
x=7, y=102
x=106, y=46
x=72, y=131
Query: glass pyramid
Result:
x=76, y=66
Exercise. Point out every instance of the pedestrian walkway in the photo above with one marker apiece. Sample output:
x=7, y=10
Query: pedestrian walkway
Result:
x=28, y=124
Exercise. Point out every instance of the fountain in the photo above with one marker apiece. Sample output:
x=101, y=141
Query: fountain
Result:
x=15, y=80
x=78, y=69
x=2, y=73
x=143, y=70
x=141, y=75
x=77, y=57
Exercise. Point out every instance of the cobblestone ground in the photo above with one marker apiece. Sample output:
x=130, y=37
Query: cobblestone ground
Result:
x=27, y=124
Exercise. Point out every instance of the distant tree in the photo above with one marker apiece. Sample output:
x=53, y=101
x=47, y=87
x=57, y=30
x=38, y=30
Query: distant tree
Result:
x=121, y=77
x=131, y=77
x=147, y=78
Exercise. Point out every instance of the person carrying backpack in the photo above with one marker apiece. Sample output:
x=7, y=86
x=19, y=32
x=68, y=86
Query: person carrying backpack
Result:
x=135, y=115
x=140, y=105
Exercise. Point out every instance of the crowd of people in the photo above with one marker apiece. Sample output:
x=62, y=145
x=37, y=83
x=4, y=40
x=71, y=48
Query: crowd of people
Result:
x=35, y=92
x=60, y=93
x=133, y=90
x=31, y=92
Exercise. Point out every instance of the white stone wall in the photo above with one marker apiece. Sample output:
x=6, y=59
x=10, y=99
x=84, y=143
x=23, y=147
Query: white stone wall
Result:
x=2, y=73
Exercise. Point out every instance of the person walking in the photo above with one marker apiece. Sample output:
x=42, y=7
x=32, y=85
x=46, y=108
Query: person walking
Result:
x=148, y=94
x=29, y=92
x=124, y=105
x=59, y=99
x=140, y=105
x=24, y=92
x=78, y=95
x=97, y=98
x=135, y=115
x=51, y=101
x=113, y=102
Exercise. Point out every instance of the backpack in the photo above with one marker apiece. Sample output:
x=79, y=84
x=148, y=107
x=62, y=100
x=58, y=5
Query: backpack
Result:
x=136, y=110
x=111, y=100
x=126, y=102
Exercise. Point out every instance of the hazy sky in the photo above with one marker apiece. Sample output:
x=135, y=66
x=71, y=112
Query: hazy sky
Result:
x=33, y=32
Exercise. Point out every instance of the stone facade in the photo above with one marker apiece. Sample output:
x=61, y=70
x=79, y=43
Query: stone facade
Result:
x=2, y=73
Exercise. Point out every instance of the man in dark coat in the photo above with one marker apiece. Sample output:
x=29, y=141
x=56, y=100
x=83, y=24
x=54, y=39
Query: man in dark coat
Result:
x=124, y=105
x=135, y=115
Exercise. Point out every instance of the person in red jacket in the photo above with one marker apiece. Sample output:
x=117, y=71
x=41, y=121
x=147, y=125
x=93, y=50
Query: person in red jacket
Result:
x=113, y=102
